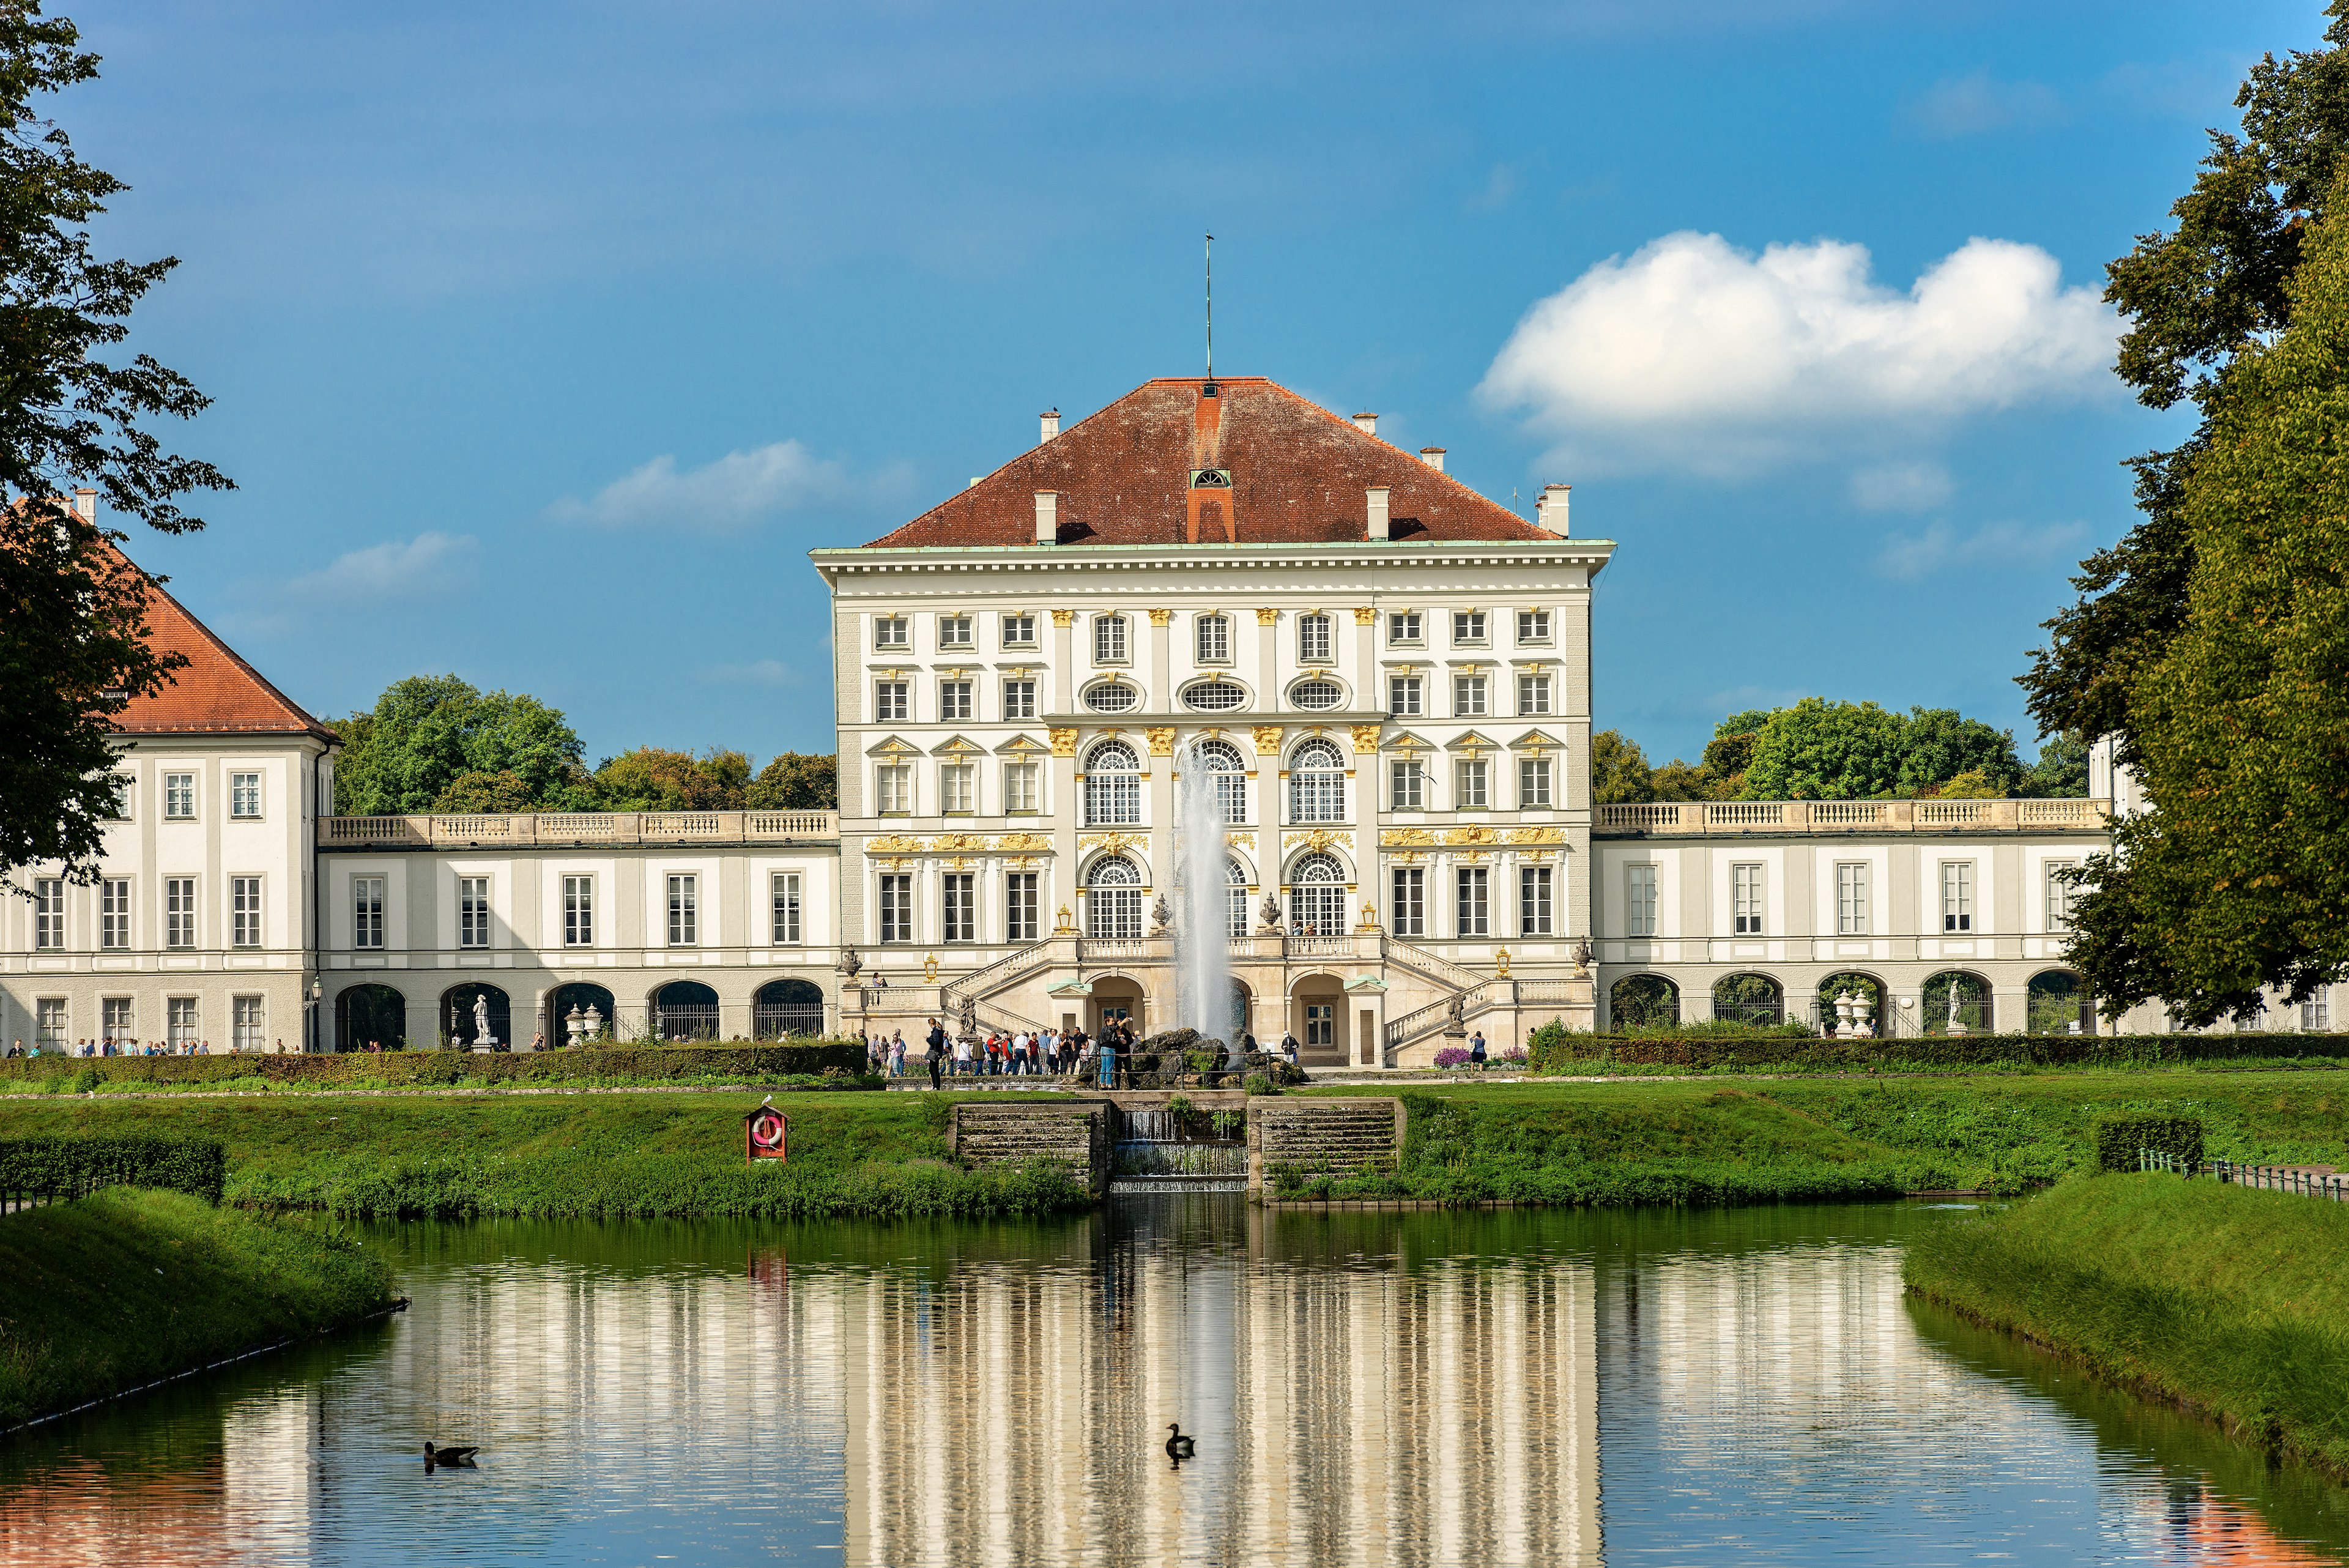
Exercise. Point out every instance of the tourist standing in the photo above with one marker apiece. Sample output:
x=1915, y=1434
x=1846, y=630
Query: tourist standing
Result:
x=1019, y=1053
x=1109, y=1057
x=898, y=1053
x=937, y=1053
x=1476, y=1050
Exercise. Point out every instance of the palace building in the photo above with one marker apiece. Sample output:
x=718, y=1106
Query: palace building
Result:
x=1384, y=676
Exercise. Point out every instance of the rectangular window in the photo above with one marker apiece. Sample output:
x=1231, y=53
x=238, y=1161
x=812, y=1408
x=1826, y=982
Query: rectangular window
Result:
x=1533, y=900
x=2315, y=1016
x=1402, y=626
x=1019, y=630
x=783, y=908
x=1409, y=913
x=958, y=908
x=1957, y=896
x=2059, y=895
x=49, y=912
x=1467, y=626
x=1403, y=696
x=179, y=912
x=684, y=911
x=114, y=912
x=1533, y=627
x=1745, y=901
x=954, y=700
x=1469, y=793
x=50, y=1021
x=1109, y=639
x=1408, y=784
x=1313, y=639
x=958, y=789
x=114, y=1013
x=1533, y=783
x=897, y=908
x=891, y=701
x=579, y=911
x=1019, y=699
x=125, y=791
x=1018, y=788
x=366, y=912
x=954, y=632
x=180, y=797
x=244, y=796
x=1640, y=900
x=1112, y=799
x=1468, y=697
x=893, y=631
x=250, y=1021
x=1215, y=639
x=244, y=911
x=182, y=1021
x=473, y=912
x=1020, y=907
x=1533, y=694
x=1472, y=911
x=1851, y=899
x=896, y=791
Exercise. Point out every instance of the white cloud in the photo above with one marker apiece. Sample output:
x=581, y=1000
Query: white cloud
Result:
x=1900, y=487
x=1695, y=354
x=1941, y=547
x=390, y=568
x=739, y=489
x=1978, y=102
x=758, y=673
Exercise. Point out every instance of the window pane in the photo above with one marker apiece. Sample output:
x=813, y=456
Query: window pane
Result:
x=1313, y=639
x=1641, y=902
x=366, y=912
x=1019, y=699
x=179, y=912
x=179, y=795
x=1404, y=627
x=1468, y=696
x=1745, y=899
x=244, y=795
x=1533, y=782
x=579, y=911
x=1410, y=910
x=1108, y=639
x=1409, y=792
x=1534, y=900
x=684, y=911
x=785, y=898
x=1471, y=911
x=1018, y=630
x=244, y=911
x=1020, y=907
x=1471, y=792
x=250, y=1022
x=1215, y=638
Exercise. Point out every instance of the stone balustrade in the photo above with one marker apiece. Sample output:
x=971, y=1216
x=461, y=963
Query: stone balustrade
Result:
x=571, y=829
x=1696, y=818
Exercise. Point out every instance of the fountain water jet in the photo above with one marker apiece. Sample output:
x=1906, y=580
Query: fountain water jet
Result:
x=1202, y=967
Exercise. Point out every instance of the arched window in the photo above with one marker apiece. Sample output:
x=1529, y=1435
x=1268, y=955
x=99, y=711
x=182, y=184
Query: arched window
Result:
x=1235, y=899
x=1317, y=783
x=2056, y=1005
x=1642, y=1001
x=1114, y=899
x=371, y=1015
x=1749, y=999
x=786, y=1007
x=1317, y=896
x=1219, y=762
x=685, y=1010
x=1112, y=786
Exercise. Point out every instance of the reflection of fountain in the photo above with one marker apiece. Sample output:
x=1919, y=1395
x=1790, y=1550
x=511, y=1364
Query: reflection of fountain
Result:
x=1203, y=985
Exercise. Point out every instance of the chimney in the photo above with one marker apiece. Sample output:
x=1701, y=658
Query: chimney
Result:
x=1549, y=511
x=1048, y=517
x=85, y=504
x=1378, y=499
x=1050, y=421
x=1367, y=423
x=1432, y=456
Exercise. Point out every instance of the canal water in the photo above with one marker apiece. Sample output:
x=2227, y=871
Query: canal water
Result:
x=1664, y=1387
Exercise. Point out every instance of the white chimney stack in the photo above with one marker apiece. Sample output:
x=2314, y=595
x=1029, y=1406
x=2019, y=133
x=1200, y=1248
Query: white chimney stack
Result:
x=1378, y=499
x=1549, y=512
x=85, y=504
x=1048, y=516
x=1432, y=456
x=1367, y=423
x=1049, y=422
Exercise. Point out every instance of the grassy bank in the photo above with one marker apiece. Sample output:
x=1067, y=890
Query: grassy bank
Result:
x=1556, y=1052
x=829, y=1062
x=131, y=1285
x=2220, y=1297
x=609, y=1154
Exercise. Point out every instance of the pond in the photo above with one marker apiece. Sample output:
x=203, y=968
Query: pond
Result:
x=1710, y=1387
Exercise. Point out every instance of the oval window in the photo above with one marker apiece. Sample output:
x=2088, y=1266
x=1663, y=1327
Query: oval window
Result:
x=1316, y=694
x=1214, y=696
x=1111, y=699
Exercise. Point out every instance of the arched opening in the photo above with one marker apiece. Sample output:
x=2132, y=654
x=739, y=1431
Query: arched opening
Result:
x=787, y=1007
x=1749, y=999
x=1117, y=1000
x=1643, y=1001
x=1317, y=783
x=685, y=1010
x=2056, y=1005
x=1114, y=900
x=1317, y=896
x=1317, y=1006
x=368, y=1015
x=596, y=1009
x=1112, y=785
x=1866, y=987
x=1218, y=763
x=1954, y=997
x=1242, y=1011
x=463, y=1022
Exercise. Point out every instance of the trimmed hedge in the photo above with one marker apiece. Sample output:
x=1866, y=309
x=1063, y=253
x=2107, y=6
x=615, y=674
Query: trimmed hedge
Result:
x=1565, y=1053
x=740, y=1064
x=196, y=1165
x=2119, y=1139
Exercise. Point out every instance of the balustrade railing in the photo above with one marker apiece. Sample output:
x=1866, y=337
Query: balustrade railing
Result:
x=1667, y=817
x=565, y=828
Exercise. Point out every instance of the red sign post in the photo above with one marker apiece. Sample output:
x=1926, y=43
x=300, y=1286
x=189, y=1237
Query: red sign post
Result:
x=766, y=1135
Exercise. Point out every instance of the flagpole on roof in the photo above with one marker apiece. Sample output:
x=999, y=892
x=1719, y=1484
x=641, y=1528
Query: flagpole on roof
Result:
x=1211, y=308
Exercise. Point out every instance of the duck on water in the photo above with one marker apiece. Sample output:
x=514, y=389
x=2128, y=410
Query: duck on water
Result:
x=1178, y=1446
x=433, y=1455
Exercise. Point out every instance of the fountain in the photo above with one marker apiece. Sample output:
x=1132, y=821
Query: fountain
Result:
x=1203, y=965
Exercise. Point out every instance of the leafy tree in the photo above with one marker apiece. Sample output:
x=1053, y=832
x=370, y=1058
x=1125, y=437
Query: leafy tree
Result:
x=652, y=779
x=1618, y=770
x=2062, y=770
x=427, y=731
x=1939, y=744
x=482, y=792
x=1818, y=750
x=1974, y=784
x=797, y=780
x=2240, y=723
x=74, y=645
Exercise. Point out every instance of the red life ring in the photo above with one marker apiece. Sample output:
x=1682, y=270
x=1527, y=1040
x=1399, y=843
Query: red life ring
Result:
x=767, y=1129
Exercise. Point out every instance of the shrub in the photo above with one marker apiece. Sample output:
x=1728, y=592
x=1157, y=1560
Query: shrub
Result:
x=2119, y=1139
x=1554, y=1050
x=742, y=1061
x=1453, y=1056
x=198, y=1166
x=1257, y=1084
x=1515, y=1054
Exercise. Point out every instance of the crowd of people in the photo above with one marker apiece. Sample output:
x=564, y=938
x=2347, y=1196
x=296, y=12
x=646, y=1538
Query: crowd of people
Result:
x=1015, y=1054
x=112, y=1047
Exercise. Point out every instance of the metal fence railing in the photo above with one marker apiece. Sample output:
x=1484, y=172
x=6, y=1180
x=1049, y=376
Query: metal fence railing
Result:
x=2302, y=1180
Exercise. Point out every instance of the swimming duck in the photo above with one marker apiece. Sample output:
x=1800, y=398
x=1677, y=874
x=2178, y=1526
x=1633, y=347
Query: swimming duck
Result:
x=1178, y=1446
x=433, y=1455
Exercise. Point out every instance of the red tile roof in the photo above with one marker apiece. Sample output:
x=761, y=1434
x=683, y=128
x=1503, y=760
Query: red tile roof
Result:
x=216, y=693
x=1298, y=476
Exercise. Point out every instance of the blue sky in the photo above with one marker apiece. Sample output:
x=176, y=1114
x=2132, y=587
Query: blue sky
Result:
x=547, y=339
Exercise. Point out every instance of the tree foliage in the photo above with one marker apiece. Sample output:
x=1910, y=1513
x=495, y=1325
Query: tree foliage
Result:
x=429, y=732
x=1818, y=750
x=797, y=780
x=1619, y=769
x=74, y=645
x=652, y=779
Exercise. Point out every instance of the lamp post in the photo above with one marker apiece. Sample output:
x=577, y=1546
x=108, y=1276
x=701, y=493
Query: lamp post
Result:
x=310, y=1010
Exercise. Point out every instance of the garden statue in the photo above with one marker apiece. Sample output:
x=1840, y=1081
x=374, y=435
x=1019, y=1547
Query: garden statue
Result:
x=1582, y=957
x=595, y=1021
x=1955, y=1025
x=1270, y=911
x=481, y=1036
x=850, y=963
x=1161, y=914
x=573, y=1026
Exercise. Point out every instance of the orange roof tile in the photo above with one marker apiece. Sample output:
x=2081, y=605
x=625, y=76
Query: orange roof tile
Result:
x=1298, y=475
x=217, y=693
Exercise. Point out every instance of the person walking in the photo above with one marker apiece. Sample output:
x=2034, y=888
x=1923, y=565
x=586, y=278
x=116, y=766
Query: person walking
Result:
x=962, y=1056
x=1476, y=1050
x=898, y=1053
x=937, y=1053
x=1288, y=1047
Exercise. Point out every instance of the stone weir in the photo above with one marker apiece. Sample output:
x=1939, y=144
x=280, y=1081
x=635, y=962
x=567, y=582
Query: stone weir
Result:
x=1077, y=1133
x=1336, y=1137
